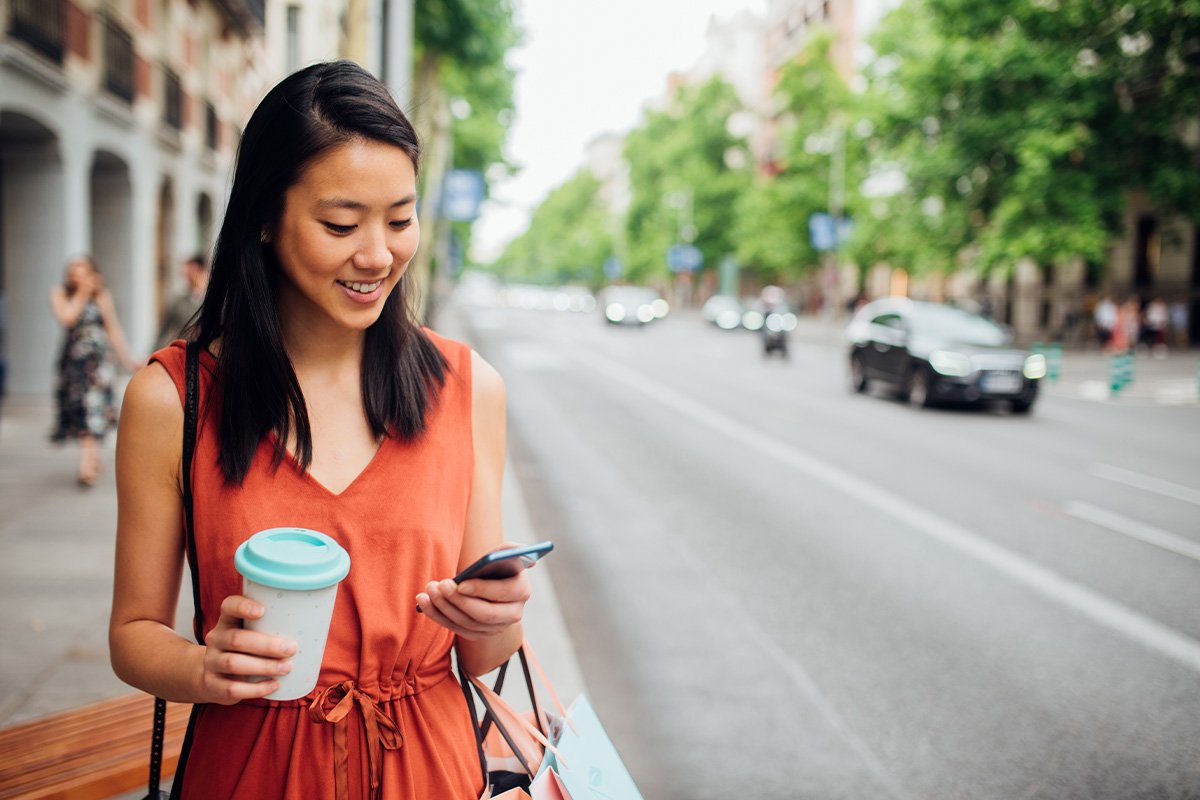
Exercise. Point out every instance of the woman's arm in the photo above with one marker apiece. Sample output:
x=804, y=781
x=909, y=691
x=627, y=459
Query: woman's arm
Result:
x=485, y=614
x=112, y=326
x=146, y=651
x=67, y=310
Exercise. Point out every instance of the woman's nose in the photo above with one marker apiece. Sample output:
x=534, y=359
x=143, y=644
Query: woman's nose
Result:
x=374, y=253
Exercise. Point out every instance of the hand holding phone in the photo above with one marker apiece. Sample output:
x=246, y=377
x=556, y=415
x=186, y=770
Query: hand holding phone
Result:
x=505, y=563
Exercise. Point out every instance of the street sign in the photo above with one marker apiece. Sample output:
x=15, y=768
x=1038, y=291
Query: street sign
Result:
x=462, y=194
x=825, y=235
x=684, y=258
x=612, y=268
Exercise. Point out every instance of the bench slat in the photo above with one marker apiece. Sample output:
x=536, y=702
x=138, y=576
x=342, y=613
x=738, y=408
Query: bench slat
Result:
x=89, y=753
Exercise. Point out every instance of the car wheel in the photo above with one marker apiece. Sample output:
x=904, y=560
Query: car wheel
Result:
x=858, y=375
x=918, y=387
x=1021, y=406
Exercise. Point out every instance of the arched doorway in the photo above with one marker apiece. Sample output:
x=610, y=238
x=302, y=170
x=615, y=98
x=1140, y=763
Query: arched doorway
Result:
x=204, y=224
x=32, y=252
x=111, y=206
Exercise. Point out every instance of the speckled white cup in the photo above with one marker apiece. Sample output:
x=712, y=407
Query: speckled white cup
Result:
x=294, y=573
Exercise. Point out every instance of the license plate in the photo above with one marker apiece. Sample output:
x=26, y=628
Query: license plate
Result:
x=1001, y=383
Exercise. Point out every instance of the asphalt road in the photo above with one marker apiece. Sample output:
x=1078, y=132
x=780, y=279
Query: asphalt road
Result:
x=779, y=589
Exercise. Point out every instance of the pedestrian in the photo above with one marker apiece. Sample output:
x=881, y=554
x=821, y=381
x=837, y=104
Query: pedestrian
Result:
x=1179, y=321
x=86, y=366
x=183, y=308
x=323, y=406
x=1105, y=320
x=1155, y=320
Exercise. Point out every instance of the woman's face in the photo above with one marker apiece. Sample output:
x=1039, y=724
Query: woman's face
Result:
x=346, y=235
x=78, y=271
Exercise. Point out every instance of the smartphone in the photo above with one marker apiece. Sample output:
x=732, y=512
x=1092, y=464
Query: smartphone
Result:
x=505, y=563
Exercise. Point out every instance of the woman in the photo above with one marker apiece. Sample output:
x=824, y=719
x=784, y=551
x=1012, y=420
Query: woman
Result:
x=323, y=406
x=84, y=392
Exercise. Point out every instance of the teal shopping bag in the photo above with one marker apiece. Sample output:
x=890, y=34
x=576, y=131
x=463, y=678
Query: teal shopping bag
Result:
x=584, y=761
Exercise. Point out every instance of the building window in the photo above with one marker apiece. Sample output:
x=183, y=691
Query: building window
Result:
x=172, y=100
x=293, y=38
x=118, y=61
x=210, y=126
x=39, y=24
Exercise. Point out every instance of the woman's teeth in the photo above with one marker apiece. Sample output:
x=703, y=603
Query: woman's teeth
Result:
x=361, y=288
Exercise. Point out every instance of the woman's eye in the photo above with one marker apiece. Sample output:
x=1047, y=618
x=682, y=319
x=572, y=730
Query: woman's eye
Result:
x=401, y=224
x=339, y=229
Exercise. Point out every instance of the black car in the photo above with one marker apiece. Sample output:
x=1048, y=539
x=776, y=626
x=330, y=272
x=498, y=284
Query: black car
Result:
x=933, y=353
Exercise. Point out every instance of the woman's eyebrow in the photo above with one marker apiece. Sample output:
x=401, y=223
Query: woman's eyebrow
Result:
x=326, y=203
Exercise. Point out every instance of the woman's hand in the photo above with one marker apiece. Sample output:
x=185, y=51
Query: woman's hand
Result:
x=476, y=609
x=234, y=654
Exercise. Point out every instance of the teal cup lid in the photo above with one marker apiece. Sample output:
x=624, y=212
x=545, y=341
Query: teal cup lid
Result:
x=292, y=558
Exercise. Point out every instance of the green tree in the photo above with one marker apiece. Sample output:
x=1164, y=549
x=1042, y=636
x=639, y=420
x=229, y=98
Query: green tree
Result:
x=462, y=102
x=1022, y=125
x=821, y=141
x=569, y=237
x=679, y=168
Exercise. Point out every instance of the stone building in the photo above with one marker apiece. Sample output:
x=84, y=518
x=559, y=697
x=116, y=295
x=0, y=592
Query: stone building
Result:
x=119, y=121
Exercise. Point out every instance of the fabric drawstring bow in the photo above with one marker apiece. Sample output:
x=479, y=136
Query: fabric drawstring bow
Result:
x=333, y=705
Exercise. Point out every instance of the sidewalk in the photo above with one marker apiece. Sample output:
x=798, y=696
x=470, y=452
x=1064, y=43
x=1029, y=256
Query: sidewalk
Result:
x=56, y=576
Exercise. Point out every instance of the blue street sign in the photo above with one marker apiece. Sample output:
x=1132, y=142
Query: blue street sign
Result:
x=684, y=258
x=612, y=268
x=825, y=235
x=462, y=194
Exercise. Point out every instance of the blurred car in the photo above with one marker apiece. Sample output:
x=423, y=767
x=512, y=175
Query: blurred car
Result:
x=723, y=310
x=935, y=353
x=632, y=305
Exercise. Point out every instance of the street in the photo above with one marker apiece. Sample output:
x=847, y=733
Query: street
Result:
x=780, y=589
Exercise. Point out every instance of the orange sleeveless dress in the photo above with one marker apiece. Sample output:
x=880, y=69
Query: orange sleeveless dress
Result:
x=388, y=719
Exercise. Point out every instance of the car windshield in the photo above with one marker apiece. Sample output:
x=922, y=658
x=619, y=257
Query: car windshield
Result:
x=957, y=325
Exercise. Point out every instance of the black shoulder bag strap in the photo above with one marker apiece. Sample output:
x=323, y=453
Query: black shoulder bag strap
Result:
x=191, y=411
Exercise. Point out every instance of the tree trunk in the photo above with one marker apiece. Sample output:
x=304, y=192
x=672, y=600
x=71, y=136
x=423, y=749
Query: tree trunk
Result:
x=432, y=120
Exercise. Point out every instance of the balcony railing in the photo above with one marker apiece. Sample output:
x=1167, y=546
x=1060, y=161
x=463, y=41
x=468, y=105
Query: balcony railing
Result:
x=172, y=100
x=118, y=61
x=39, y=24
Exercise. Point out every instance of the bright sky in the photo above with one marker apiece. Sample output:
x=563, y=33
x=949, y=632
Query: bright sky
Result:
x=584, y=69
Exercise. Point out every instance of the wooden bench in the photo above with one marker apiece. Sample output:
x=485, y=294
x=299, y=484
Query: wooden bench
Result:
x=88, y=753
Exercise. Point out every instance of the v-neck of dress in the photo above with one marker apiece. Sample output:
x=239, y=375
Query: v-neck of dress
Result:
x=307, y=476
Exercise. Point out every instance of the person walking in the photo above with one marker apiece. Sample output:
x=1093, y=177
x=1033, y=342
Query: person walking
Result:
x=323, y=405
x=1105, y=320
x=86, y=368
x=183, y=308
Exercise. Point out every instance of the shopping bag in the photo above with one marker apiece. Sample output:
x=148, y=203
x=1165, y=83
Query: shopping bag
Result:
x=584, y=764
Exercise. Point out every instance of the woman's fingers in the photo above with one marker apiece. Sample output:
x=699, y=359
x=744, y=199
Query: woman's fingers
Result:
x=234, y=655
x=478, y=613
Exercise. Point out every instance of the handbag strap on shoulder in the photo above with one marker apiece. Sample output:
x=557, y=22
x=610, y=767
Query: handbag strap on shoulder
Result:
x=191, y=411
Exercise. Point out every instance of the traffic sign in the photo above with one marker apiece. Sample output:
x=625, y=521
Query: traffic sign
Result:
x=462, y=194
x=684, y=258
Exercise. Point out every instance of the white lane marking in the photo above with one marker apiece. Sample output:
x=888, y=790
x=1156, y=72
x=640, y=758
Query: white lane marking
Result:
x=1133, y=528
x=1125, y=621
x=1137, y=480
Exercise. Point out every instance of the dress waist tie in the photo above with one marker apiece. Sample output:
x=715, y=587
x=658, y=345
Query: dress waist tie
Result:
x=333, y=705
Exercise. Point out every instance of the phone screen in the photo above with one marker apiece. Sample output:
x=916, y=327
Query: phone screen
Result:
x=505, y=563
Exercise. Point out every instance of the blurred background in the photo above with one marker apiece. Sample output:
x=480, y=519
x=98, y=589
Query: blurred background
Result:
x=808, y=543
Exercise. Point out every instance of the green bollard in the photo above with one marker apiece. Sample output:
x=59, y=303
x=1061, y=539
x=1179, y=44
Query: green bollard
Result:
x=1114, y=374
x=1129, y=368
x=1054, y=362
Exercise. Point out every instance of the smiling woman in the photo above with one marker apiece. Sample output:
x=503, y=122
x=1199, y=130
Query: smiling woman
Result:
x=323, y=405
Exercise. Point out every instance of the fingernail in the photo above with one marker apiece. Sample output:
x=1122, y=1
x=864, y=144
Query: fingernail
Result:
x=290, y=648
x=285, y=668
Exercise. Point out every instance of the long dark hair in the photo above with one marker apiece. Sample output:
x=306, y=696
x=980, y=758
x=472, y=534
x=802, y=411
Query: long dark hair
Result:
x=306, y=114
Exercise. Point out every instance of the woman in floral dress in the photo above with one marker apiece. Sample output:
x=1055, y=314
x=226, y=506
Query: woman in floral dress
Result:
x=84, y=390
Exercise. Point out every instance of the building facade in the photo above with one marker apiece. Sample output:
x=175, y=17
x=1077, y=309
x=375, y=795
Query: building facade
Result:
x=119, y=120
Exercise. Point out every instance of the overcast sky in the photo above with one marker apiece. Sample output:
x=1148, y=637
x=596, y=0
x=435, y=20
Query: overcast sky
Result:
x=584, y=69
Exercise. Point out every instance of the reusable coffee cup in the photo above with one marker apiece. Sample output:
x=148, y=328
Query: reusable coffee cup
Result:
x=294, y=573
